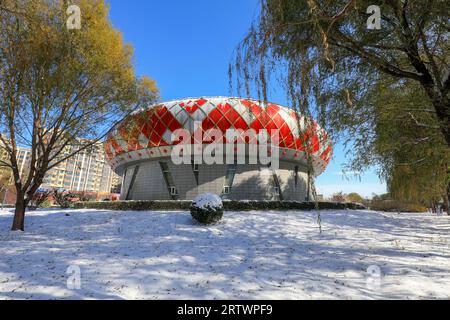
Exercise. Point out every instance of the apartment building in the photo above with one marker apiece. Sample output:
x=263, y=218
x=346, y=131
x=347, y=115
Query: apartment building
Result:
x=23, y=157
x=7, y=189
x=86, y=171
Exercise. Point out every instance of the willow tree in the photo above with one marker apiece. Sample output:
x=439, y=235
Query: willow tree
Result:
x=413, y=156
x=60, y=86
x=330, y=54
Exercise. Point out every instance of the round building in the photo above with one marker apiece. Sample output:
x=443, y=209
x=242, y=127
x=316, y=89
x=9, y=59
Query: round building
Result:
x=141, y=149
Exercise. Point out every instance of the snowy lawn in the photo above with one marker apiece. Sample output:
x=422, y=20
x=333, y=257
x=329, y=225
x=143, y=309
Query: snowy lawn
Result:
x=255, y=255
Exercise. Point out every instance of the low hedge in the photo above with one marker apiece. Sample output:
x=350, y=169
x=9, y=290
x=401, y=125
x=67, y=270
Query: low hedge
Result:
x=134, y=205
x=396, y=206
x=229, y=205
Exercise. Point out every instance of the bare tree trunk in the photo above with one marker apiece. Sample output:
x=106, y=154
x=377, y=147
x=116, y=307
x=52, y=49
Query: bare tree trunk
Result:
x=19, y=213
x=442, y=106
x=432, y=208
x=443, y=114
x=447, y=200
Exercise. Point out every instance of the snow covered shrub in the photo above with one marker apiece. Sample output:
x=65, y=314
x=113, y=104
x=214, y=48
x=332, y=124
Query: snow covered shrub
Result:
x=207, y=208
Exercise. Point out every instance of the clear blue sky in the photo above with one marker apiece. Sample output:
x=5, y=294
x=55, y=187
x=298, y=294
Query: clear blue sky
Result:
x=186, y=47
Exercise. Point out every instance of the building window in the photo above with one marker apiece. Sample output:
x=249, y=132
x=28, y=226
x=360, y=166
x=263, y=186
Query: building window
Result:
x=173, y=191
x=195, y=170
x=130, y=186
x=276, y=184
x=229, y=178
x=169, y=180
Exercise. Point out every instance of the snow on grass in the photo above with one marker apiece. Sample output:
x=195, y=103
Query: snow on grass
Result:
x=254, y=255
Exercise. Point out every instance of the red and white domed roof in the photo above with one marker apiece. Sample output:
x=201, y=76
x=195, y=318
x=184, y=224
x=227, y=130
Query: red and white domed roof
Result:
x=147, y=134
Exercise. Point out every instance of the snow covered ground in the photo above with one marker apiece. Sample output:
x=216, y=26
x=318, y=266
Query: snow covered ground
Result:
x=255, y=255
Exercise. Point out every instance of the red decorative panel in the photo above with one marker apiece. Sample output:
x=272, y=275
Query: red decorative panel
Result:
x=152, y=128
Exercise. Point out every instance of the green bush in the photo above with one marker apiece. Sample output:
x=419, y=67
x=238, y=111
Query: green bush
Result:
x=396, y=206
x=206, y=215
x=45, y=204
x=207, y=208
x=63, y=198
x=40, y=200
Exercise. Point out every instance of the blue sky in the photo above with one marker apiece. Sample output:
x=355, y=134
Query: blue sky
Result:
x=186, y=47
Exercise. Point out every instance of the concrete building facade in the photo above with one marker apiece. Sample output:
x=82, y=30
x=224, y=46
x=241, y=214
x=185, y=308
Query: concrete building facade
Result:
x=163, y=180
